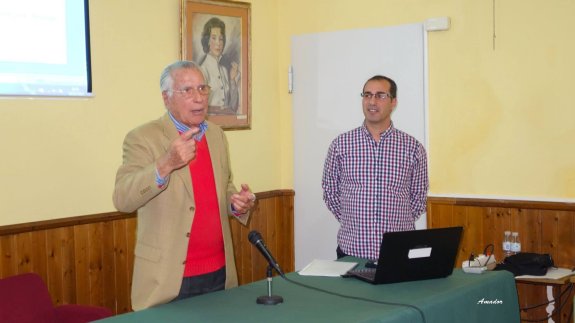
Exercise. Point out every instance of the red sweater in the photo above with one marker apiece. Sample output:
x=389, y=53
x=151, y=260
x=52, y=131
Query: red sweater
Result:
x=206, y=246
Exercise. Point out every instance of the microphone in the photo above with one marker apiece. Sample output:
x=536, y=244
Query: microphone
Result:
x=257, y=240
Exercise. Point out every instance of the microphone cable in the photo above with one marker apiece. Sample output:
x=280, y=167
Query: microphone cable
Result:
x=358, y=298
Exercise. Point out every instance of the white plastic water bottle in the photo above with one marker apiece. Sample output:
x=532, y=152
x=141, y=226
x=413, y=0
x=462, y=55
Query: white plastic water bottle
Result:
x=507, y=244
x=515, y=244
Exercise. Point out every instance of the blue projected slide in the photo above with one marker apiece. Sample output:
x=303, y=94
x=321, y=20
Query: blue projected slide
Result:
x=45, y=48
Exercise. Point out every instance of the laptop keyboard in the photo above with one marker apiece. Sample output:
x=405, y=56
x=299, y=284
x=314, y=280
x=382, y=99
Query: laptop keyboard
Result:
x=367, y=273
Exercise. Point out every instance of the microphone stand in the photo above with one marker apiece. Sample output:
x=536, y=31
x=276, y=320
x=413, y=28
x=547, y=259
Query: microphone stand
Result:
x=270, y=299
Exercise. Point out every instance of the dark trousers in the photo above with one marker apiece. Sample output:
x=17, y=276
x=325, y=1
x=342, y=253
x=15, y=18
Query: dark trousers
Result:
x=340, y=253
x=202, y=284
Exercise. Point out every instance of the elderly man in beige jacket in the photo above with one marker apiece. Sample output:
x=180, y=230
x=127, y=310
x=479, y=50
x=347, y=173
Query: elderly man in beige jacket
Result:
x=176, y=174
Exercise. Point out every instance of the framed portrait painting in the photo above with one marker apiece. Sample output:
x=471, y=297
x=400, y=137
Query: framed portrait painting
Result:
x=216, y=35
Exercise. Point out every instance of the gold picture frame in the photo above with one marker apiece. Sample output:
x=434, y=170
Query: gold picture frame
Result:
x=216, y=35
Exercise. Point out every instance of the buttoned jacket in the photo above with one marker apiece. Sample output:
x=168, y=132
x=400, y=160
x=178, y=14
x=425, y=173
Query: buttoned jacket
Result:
x=166, y=213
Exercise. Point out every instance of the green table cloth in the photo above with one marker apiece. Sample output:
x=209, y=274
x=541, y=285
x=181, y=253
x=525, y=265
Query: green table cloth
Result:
x=469, y=298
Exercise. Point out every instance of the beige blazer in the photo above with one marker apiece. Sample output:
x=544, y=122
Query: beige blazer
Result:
x=165, y=214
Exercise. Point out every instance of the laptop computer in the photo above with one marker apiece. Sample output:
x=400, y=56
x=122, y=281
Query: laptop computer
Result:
x=413, y=255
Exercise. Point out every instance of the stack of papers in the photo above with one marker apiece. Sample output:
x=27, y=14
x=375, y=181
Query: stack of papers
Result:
x=327, y=268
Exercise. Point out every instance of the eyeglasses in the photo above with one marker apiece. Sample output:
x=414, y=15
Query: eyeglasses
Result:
x=203, y=89
x=378, y=96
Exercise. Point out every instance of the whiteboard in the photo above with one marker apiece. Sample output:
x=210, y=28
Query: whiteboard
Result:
x=329, y=71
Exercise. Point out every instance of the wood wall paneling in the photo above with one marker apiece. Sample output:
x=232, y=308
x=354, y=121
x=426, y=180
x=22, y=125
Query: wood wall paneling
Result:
x=89, y=259
x=544, y=227
x=273, y=218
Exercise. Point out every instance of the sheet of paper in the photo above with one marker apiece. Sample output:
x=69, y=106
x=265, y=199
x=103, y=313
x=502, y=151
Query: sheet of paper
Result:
x=328, y=268
x=552, y=273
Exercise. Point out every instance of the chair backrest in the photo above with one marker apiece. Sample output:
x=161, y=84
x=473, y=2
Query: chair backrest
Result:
x=25, y=298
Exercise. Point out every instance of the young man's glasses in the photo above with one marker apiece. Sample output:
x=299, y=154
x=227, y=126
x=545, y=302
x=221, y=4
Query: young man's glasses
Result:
x=378, y=96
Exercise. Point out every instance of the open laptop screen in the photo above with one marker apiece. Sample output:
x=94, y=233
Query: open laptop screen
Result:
x=414, y=255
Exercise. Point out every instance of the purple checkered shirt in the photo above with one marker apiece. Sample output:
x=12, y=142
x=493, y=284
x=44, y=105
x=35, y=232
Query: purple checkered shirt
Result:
x=374, y=187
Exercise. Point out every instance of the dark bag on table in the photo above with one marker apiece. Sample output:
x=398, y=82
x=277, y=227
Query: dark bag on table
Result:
x=527, y=263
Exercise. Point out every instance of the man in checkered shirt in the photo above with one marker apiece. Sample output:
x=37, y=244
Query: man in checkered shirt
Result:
x=375, y=176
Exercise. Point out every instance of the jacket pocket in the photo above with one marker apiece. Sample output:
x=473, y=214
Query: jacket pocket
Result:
x=146, y=252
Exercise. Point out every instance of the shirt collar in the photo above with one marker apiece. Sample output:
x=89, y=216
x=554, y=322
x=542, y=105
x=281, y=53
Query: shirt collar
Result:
x=381, y=135
x=183, y=128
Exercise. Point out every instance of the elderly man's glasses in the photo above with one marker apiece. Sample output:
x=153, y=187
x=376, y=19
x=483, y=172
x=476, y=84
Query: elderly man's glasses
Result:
x=203, y=89
x=378, y=96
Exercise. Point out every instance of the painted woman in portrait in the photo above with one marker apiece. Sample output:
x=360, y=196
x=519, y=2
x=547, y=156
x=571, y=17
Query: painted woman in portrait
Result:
x=222, y=75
